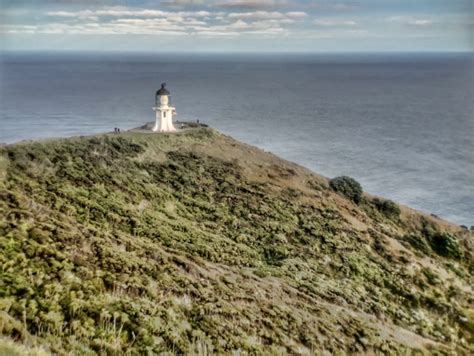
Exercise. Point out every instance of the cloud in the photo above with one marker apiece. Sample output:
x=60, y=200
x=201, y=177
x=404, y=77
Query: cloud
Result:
x=252, y=4
x=266, y=15
x=181, y=3
x=296, y=14
x=420, y=22
x=410, y=20
x=123, y=11
x=98, y=29
x=334, y=23
x=124, y=20
x=328, y=6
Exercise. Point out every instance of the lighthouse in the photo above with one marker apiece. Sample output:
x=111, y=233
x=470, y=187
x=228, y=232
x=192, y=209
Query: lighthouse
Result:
x=164, y=112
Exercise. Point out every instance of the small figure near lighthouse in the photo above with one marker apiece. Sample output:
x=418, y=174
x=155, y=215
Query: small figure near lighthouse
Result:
x=164, y=112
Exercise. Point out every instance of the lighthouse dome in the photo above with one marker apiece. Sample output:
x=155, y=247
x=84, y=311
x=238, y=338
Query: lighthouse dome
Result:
x=162, y=91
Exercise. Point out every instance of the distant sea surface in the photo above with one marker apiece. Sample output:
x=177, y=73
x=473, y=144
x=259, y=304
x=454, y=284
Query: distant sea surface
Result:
x=402, y=125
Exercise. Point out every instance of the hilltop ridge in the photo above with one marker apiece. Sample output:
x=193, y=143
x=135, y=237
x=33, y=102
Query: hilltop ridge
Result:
x=196, y=243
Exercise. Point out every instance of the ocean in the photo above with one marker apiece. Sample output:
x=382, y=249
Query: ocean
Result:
x=401, y=124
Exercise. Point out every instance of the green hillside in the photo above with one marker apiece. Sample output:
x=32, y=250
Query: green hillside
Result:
x=195, y=243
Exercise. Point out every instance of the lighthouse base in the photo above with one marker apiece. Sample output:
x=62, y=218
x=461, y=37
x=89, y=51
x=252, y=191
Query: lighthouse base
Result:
x=163, y=127
x=164, y=119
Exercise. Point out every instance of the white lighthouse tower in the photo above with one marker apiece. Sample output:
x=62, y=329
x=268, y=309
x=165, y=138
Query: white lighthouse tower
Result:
x=164, y=112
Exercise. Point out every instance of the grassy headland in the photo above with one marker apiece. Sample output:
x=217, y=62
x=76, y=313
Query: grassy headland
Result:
x=197, y=243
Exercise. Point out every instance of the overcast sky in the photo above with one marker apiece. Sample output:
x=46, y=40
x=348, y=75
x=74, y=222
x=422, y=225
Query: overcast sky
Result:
x=237, y=25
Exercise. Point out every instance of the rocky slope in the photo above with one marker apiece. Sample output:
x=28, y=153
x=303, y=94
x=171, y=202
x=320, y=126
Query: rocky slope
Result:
x=196, y=243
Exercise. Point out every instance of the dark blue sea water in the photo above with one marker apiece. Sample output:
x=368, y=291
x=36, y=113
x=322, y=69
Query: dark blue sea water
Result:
x=402, y=125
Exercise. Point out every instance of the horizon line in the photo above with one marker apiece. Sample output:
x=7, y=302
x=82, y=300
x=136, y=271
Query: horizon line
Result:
x=237, y=52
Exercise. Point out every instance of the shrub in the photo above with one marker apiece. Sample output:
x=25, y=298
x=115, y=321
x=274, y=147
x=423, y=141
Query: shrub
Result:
x=348, y=187
x=432, y=277
x=387, y=207
x=445, y=244
x=418, y=242
x=275, y=254
x=442, y=243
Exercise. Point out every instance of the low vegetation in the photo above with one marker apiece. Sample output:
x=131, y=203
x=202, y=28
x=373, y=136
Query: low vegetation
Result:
x=387, y=207
x=430, y=241
x=194, y=243
x=445, y=244
x=348, y=187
